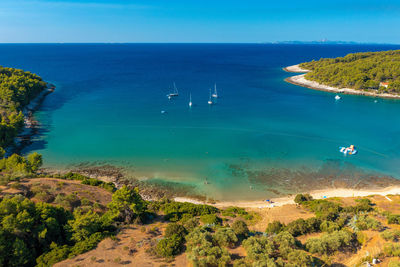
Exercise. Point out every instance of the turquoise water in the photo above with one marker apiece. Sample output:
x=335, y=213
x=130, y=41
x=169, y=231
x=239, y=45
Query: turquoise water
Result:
x=108, y=102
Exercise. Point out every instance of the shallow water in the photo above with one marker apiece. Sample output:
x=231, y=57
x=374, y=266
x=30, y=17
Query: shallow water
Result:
x=109, y=97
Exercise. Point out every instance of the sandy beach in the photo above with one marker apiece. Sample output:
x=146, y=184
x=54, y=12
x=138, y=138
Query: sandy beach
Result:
x=302, y=81
x=317, y=194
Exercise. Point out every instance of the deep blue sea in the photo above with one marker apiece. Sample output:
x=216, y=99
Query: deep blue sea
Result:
x=109, y=97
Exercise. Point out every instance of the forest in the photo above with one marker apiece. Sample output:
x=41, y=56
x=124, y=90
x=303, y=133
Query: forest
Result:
x=362, y=71
x=17, y=89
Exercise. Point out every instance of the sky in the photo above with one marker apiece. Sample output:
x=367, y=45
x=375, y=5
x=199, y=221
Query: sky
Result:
x=215, y=21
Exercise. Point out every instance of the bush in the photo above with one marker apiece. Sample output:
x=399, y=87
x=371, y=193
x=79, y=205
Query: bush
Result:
x=225, y=237
x=300, y=258
x=300, y=198
x=210, y=219
x=329, y=243
x=201, y=249
x=366, y=222
x=175, y=210
x=191, y=224
x=391, y=235
x=175, y=229
x=240, y=228
x=393, y=219
x=392, y=250
x=169, y=247
x=275, y=227
x=394, y=263
x=328, y=226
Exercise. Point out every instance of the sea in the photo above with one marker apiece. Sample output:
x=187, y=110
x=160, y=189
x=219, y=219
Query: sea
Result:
x=260, y=138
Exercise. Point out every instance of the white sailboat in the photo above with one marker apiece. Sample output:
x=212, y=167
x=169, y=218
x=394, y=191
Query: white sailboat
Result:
x=175, y=93
x=209, y=100
x=190, y=101
x=215, y=95
x=337, y=97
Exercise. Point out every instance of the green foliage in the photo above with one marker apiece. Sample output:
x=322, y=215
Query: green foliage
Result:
x=17, y=166
x=210, y=219
x=225, y=237
x=275, y=227
x=175, y=210
x=191, y=224
x=358, y=71
x=391, y=235
x=392, y=249
x=393, y=219
x=394, y=263
x=126, y=205
x=169, y=246
x=330, y=242
x=240, y=228
x=300, y=198
x=175, y=229
x=328, y=226
x=234, y=211
x=323, y=208
x=366, y=222
x=17, y=89
x=300, y=258
x=203, y=251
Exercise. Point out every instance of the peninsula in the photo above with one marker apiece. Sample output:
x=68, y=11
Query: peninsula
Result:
x=375, y=74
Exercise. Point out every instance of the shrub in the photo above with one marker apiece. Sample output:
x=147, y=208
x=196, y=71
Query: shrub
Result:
x=393, y=219
x=191, y=224
x=175, y=229
x=297, y=227
x=300, y=198
x=201, y=249
x=330, y=242
x=394, y=263
x=391, y=235
x=365, y=222
x=169, y=247
x=240, y=228
x=300, y=258
x=225, y=237
x=392, y=250
x=275, y=227
x=175, y=210
x=328, y=226
x=210, y=219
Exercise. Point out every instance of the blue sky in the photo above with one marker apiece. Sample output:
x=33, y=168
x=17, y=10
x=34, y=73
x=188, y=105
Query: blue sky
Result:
x=198, y=21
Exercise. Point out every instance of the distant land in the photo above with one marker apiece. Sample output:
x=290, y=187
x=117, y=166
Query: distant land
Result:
x=326, y=41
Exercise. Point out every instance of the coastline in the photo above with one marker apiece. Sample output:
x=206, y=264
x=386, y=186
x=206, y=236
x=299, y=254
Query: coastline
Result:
x=316, y=194
x=30, y=128
x=300, y=80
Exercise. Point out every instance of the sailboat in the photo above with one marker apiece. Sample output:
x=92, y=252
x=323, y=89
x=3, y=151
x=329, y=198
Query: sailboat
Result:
x=190, y=101
x=215, y=95
x=175, y=93
x=209, y=100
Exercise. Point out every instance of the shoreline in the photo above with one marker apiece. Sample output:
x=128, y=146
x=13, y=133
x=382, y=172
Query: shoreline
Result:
x=300, y=80
x=30, y=127
x=316, y=194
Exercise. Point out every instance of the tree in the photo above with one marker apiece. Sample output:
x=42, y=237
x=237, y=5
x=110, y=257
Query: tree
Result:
x=126, y=205
x=274, y=227
x=240, y=228
x=225, y=237
x=35, y=161
x=300, y=198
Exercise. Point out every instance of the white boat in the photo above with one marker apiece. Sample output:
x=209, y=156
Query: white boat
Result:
x=190, y=101
x=337, y=97
x=351, y=150
x=209, y=100
x=215, y=95
x=175, y=93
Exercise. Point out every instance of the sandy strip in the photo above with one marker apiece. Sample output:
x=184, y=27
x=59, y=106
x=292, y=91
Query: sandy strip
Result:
x=295, y=68
x=317, y=194
x=302, y=81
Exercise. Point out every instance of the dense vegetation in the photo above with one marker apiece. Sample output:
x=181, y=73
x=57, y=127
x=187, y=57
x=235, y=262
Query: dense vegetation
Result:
x=358, y=71
x=17, y=89
x=39, y=233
